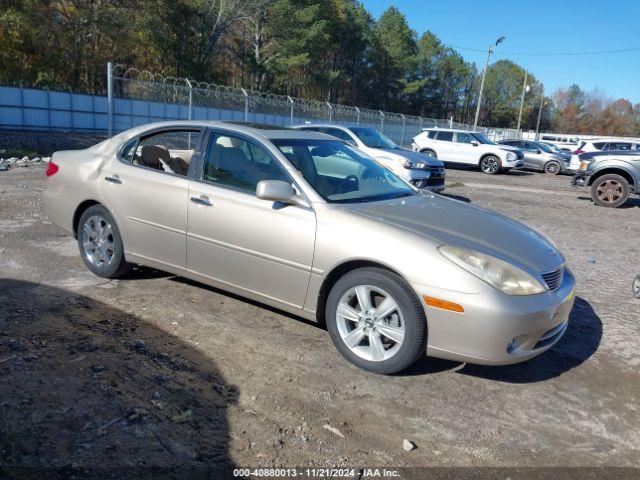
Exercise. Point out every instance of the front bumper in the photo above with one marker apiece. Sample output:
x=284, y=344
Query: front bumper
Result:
x=432, y=180
x=498, y=329
x=513, y=163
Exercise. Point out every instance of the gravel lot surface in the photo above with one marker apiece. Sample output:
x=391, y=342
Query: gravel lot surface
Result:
x=155, y=370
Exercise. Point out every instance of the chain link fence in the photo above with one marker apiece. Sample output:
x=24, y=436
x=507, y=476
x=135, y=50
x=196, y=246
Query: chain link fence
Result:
x=138, y=97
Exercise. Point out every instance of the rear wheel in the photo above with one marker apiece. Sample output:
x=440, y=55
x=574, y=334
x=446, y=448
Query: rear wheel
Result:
x=610, y=190
x=375, y=321
x=552, y=167
x=428, y=151
x=490, y=165
x=100, y=243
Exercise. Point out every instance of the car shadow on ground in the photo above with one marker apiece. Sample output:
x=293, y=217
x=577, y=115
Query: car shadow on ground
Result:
x=90, y=391
x=633, y=202
x=580, y=341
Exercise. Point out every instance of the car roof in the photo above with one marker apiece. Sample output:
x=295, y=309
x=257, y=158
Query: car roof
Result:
x=263, y=131
x=437, y=129
x=327, y=125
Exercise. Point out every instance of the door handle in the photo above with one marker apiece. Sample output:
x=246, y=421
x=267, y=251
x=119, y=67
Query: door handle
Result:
x=115, y=179
x=202, y=200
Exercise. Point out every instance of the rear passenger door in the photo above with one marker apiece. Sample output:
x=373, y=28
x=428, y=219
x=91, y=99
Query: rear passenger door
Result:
x=256, y=247
x=146, y=188
x=442, y=145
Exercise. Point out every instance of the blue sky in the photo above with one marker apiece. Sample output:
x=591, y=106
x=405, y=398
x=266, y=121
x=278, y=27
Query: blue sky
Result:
x=541, y=26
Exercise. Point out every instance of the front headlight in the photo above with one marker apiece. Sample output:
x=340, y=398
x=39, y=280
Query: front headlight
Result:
x=413, y=165
x=511, y=156
x=584, y=165
x=497, y=273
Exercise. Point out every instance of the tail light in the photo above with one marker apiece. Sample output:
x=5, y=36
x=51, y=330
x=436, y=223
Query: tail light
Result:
x=52, y=169
x=578, y=152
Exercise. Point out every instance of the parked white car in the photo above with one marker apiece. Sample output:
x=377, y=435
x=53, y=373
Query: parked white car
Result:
x=563, y=142
x=468, y=148
x=420, y=170
x=601, y=145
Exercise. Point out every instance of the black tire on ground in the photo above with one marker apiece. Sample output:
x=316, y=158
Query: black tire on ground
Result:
x=552, y=167
x=505, y=170
x=117, y=266
x=415, y=323
x=610, y=190
x=428, y=151
x=490, y=165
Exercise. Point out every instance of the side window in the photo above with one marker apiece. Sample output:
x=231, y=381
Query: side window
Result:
x=168, y=151
x=463, y=137
x=342, y=135
x=445, y=136
x=432, y=134
x=599, y=145
x=128, y=151
x=234, y=162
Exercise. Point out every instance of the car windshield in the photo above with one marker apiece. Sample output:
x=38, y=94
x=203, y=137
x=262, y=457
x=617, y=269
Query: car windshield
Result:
x=482, y=139
x=340, y=174
x=544, y=148
x=372, y=138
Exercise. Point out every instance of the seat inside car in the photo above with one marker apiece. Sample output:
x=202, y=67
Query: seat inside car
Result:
x=159, y=158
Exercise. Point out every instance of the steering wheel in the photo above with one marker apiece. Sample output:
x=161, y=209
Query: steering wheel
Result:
x=344, y=181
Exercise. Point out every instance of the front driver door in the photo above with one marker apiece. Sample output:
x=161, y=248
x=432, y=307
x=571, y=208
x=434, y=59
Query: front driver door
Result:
x=462, y=149
x=257, y=246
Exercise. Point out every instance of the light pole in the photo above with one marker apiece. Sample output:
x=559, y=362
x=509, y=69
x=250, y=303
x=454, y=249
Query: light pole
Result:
x=484, y=73
x=540, y=112
x=525, y=89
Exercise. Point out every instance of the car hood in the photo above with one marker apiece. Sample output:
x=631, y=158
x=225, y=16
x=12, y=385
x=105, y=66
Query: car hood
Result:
x=508, y=148
x=453, y=222
x=410, y=155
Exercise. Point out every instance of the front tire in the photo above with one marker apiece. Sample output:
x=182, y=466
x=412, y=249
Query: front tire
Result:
x=100, y=243
x=428, y=151
x=610, y=190
x=552, y=167
x=490, y=165
x=376, y=321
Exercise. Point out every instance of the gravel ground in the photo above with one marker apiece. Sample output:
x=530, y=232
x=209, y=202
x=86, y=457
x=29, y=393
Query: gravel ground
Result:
x=155, y=370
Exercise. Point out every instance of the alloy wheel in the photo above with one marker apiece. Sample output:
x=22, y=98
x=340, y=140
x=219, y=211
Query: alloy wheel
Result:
x=490, y=165
x=610, y=191
x=370, y=323
x=97, y=242
x=552, y=167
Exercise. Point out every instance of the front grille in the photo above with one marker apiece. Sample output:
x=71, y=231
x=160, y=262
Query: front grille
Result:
x=430, y=182
x=554, y=278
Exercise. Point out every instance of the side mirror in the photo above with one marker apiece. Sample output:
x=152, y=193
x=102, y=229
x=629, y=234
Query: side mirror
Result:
x=278, y=191
x=475, y=143
x=275, y=190
x=538, y=151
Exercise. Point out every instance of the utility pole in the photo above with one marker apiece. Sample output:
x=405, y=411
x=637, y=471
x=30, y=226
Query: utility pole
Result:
x=540, y=112
x=524, y=90
x=484, y=73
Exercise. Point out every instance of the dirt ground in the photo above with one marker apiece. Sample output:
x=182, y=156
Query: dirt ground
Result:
x=156, y=373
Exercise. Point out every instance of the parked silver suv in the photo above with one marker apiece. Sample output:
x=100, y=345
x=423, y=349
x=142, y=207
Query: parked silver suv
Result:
x=612, y=176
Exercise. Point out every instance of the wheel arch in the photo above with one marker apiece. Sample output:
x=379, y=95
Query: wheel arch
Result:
x=490, y=154
x=615, y=171
x=83, y=206
x=339, y=271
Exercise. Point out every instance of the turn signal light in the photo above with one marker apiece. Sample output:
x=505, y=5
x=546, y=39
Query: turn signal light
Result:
x=443, y=304
x=52, y=169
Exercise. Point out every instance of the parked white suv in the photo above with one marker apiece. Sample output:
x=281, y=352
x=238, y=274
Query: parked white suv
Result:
x=469, y=148
x=601, y=145
x=420, y=170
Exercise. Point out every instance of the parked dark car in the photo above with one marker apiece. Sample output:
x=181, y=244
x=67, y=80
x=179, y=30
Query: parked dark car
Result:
x=613, y=176
x=538, y=156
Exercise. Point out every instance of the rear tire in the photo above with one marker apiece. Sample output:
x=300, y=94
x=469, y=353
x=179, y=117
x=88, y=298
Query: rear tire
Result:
x=552, y=167
x=376, y=321
x=428, y=151
x=490, y=165
x=610, y=190
x=100, y=243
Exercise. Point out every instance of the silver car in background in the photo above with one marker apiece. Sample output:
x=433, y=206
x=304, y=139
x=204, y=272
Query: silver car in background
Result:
x=419, y=169
x=304, y=223
x=540, y=157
